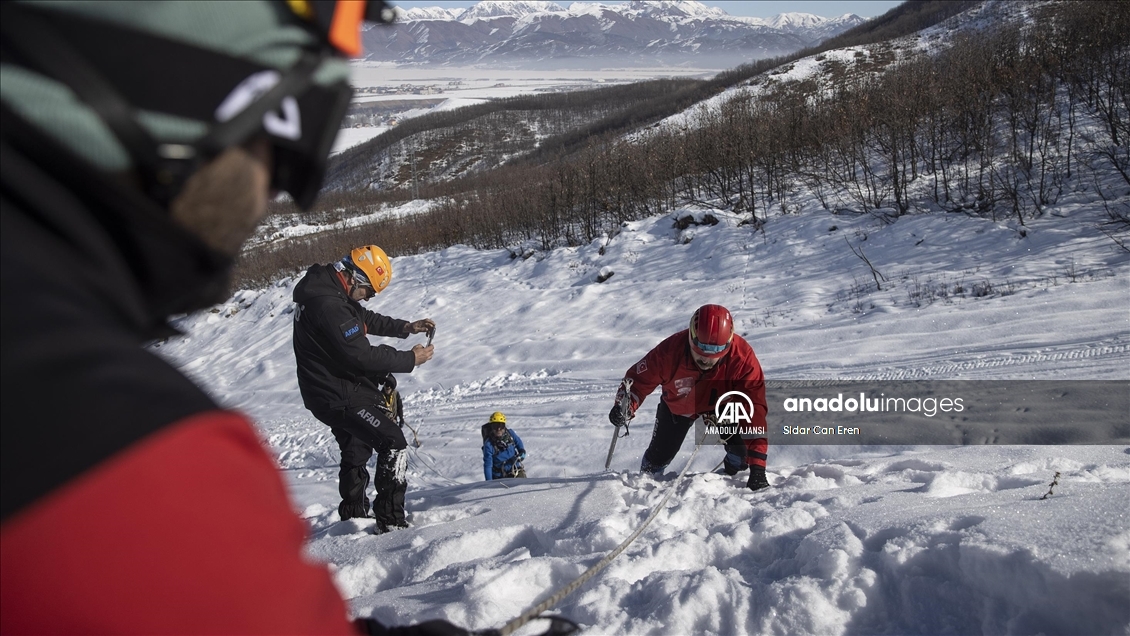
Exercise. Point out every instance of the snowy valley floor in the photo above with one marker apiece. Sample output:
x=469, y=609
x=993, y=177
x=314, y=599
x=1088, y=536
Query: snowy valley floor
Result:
x=850, y=539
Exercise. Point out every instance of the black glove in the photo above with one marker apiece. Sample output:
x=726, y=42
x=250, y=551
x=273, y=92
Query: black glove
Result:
x=616, y=415
x=435, y=627
x=757, y=479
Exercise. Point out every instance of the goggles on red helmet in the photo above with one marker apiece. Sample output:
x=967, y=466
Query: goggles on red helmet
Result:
x=711, y=348
x=711, y=330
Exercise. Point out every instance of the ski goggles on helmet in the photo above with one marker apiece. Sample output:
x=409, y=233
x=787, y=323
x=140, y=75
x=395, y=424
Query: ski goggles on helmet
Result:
x=361, y=279
x=711, y=349
x=346, y=266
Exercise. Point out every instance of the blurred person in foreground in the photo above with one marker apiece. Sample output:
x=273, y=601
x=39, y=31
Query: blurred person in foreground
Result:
x=140, y=145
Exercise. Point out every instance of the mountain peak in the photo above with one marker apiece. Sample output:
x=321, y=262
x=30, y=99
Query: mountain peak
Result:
x=501, y=8
x=677, y=9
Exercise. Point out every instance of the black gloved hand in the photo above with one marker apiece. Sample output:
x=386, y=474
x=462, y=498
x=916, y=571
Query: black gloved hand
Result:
x=616, y=415
x=435, y=627
x=757, y=479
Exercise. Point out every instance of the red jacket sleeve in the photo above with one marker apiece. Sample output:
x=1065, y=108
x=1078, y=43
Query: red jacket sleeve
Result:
x=652, y=370
x=188, y=531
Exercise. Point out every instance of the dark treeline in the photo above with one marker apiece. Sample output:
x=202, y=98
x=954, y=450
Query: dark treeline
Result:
x=998, y=124
x=614, y=97
x=451, y=145
x=907, y=18
x=359, y=177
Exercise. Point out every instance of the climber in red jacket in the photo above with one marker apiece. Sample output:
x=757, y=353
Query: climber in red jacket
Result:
x=696, y=367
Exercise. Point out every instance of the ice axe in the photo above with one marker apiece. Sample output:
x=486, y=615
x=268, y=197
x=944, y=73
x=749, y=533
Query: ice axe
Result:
x=415, y=437
x=626, y=416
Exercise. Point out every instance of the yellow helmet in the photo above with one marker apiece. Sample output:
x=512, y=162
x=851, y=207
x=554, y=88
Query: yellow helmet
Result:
x=497, y=418
x=373, y=264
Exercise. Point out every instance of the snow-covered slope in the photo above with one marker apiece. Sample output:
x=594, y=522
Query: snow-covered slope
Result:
x=849, y=540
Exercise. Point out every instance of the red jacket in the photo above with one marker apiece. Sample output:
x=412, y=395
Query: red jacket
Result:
x=189, y=531
x=689, y=391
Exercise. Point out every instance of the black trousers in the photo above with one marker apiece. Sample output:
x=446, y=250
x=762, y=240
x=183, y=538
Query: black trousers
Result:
x=359, y=431
x=666, y=437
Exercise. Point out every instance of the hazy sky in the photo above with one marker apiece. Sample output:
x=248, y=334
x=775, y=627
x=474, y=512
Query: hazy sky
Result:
x=755, y=9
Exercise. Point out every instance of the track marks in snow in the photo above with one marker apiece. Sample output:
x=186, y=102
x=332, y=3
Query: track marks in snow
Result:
x=1109, y=355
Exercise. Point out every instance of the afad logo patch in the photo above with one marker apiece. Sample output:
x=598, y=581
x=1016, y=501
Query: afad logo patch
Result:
x=351, y=329
x=369, y=417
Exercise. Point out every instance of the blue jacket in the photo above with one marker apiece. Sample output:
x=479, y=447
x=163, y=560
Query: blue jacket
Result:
x=500, y=459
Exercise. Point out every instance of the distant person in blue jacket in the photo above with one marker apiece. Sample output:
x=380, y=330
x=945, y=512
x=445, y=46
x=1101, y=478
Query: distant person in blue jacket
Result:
x=503, y=450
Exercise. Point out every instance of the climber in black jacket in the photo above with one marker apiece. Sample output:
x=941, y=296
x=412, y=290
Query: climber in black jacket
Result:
x=347, y=383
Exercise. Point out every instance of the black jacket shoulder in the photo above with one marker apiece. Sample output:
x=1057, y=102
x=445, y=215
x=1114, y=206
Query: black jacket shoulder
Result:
x=336, y=363
x=89, y=274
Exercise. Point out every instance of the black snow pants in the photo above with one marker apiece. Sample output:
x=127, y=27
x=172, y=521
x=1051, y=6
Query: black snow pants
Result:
x=359, y=431
x=666, y=437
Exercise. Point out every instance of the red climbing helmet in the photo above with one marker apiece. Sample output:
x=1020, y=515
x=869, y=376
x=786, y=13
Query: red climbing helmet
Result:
x=712, y=329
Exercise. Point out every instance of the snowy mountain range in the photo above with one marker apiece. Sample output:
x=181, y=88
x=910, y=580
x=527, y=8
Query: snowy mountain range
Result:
x=586, y=34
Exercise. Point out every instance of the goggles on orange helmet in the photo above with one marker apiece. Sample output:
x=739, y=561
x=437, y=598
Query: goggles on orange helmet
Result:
x=338, y=22
x=347, y=266
x=361, y=279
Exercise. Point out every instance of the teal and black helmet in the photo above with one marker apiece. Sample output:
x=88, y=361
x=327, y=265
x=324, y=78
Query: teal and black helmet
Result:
x=161, y=87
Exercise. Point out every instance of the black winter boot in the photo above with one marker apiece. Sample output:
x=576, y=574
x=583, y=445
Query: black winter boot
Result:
x=735, y=460
x=353, y=510
x=733, y=464
x=648, y=467
x=388, y=505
